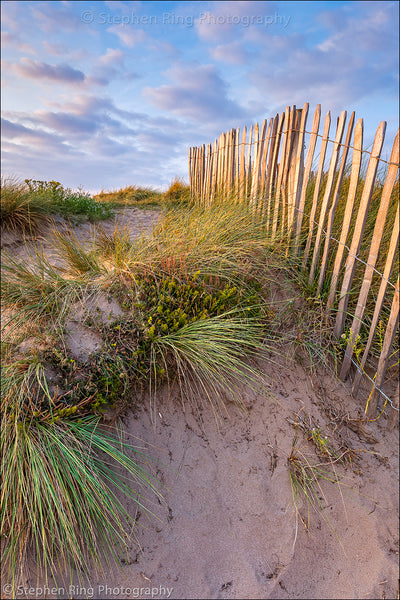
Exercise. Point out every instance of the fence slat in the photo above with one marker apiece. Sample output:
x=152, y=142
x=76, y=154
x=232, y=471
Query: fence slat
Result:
x=214, y=170
x=254, y=173
x=334, y=202
x=328, y=192
x=385, y=354
x=258, y=187
x=286, y=167
x=221, y=143
x=230, y=164
x=307, y=170
x=291, y=172
x=299, y=165
x=242, y=183
x=190, y=169
x=195, y=151
x=248, y=162
x=359, y=228
x=272, y=164
x=278, y=189
x=391, y=256
x=237, y=164
x=394, y=414
x=348, y=212
x=264, y=157
x=373, y=252
x=318, y=180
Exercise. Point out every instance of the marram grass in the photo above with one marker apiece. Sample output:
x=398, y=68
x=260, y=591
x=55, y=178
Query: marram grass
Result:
x=62, y=479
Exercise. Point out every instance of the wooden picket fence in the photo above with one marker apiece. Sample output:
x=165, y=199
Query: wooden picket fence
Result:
x=271, y=171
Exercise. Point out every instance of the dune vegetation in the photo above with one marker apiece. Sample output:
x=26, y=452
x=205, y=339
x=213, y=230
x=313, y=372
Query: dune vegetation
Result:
x=185, y=307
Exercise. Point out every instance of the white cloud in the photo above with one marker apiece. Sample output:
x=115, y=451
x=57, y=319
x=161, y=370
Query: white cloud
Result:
x=129, y=36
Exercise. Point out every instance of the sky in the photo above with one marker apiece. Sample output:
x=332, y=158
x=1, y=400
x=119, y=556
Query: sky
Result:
x=101, y=95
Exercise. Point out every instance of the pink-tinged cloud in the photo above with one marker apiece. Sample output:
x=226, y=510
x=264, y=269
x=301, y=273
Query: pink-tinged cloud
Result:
x=112, y=56
x=197, y=93
x=12, y=40
x=50, y=18
x=226, y=18
x=32, y=138
x=129, y=36
x=33, y=69
x=233, y=53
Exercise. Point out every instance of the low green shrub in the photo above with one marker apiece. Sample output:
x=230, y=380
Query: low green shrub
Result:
x=66, y=202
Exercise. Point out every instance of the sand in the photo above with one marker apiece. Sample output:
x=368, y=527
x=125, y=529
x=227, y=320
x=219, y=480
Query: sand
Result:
x=227, y=526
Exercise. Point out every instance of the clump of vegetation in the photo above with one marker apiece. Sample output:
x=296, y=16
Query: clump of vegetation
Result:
x=131, y=195
x=26, y=205
x=177, y=193
x=307, y=477
x=60, y=476
x=20, y=209
x=66, y=202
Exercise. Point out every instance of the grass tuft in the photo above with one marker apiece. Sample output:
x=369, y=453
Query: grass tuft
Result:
x=62, y=479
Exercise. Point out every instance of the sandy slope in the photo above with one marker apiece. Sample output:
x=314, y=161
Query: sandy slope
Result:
x=227, y=527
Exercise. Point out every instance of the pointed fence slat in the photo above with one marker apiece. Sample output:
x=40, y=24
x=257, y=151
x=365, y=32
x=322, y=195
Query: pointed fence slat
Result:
x=256, y=185
x=214, y=171
x=229, y=161
x=272, y=165
x=237, y=165
x=287, y=166
x=348, y=212
x=278, y=190
x=248, y=163
x=254, y=174
x=290, y=172
x=359, y=228
x=242, y=177
x=332, y=210
x=307, y=170
x=373, y=252
x=221, y=141
x=328, y=192
x=264, y=158
x=318, y=180
x=299, y=167
x=391, y=256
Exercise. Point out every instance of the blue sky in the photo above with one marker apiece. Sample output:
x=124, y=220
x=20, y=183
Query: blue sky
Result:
x=108, y=94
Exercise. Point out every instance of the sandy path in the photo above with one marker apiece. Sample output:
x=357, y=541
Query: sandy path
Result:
x=227, y=528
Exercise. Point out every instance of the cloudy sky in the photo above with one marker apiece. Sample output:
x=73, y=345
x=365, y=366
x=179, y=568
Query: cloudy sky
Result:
x=107, y=94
